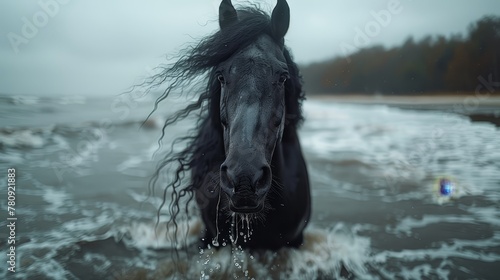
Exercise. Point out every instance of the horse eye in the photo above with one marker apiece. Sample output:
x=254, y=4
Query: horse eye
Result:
x=223, y=122
x=283, y=78
x=221, y=79
x=276, y=122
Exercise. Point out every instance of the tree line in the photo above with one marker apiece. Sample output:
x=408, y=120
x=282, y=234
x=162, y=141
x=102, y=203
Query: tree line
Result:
x=432, y=64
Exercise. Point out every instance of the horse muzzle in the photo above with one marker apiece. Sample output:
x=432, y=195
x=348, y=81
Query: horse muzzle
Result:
x=246, y=189
x=245, y=203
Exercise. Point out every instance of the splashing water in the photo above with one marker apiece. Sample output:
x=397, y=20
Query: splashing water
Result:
x=240, y=222
x=323, y=255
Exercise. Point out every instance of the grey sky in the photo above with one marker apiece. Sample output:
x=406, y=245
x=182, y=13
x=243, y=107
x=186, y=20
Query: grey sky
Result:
x=91, y=47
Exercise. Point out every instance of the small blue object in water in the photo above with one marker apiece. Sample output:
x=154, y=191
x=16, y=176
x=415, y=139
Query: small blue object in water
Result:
x=445, y=187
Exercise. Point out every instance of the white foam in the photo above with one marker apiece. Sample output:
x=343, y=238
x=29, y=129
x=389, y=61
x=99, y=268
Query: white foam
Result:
x=423, y=271
x=25, y=100
x=154, y=201
x=323, y=254
x=407, y=224
x=90, y=224
x=25, y=138
x=150, y=235
x=56, y=198
x=432, y=263
x=73, y=99
x=465, y=249
x=37, y=259
x=489, y=215
x=48, y=267
x=486, y=215
x=130, y=167
x=12, y=157
x=98, y=261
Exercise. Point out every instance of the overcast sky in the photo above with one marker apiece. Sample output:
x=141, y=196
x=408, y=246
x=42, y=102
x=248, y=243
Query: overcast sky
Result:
x=92, y=47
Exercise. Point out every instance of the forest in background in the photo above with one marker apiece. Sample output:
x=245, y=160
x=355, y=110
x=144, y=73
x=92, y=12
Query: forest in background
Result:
x=431, y=65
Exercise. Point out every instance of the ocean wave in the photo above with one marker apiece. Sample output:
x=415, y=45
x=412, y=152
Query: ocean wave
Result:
x=32, y=100
x=326, y=254
x=39, y=137
x=24, y=138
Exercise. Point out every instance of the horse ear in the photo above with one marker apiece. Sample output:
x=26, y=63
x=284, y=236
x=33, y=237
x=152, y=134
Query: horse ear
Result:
x=227, y=14
x=280, y=19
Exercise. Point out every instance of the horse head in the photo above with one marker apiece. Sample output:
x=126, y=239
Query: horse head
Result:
x=252, y=110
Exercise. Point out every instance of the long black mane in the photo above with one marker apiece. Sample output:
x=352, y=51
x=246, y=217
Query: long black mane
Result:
x=204, y=147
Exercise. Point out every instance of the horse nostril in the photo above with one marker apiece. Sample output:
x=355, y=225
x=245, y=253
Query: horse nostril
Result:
x=223, y=173
x=223, y=168
x=262, y=177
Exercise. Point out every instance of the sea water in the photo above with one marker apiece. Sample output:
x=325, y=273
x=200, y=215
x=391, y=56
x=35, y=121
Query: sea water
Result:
x=84, y=210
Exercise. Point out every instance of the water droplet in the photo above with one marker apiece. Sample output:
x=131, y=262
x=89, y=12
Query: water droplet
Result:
x=215, y=242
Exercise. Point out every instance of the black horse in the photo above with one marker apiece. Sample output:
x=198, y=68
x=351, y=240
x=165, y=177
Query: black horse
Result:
x=248, y=174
